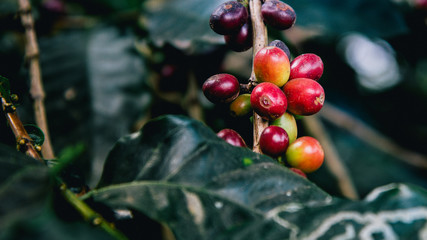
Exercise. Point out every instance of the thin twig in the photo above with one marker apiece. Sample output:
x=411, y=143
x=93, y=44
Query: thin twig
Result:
x=36, y=90
x=89, y=214
x=24, y=142
x=332, y=160
x=371, y=136
x=260, y=40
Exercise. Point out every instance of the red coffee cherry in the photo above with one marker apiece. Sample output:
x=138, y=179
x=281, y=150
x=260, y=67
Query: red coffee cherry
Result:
x=231, y=137
x=305, y=96
x=306, y=154
x=242, y=40
x=274, y=141
x=307, y=65
x=271, y=64
x=298, y=171
x=278, y=14
x=228, y=18
x=221, y=88
x=268, y=100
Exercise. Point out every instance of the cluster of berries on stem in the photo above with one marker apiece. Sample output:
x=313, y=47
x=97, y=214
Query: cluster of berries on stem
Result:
x=279, y=89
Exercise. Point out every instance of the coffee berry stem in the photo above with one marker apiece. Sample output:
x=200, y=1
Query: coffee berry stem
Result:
x=260, y=40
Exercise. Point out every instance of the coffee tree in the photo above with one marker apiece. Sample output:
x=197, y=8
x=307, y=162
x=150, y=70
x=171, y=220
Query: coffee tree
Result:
x=147, y=165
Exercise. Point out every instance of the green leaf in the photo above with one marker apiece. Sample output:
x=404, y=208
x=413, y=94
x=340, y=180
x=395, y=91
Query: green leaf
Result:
x=177, y=171
x=183, y=23
x=35, y=133
x=8, y=7
x=192, y=213
x=379, y=18
x=23, y=195
x=96, y=88
x=30, y=208
x=12, y=161
x=180, y=150
x=5, y=88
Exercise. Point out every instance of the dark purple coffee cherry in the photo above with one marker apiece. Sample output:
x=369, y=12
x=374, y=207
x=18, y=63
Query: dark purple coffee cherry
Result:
x=274, y=141
x=228, y=18
x=242, y=40
x=278, y=14
x=221, y=88
x=231, y=137
x=281, y=45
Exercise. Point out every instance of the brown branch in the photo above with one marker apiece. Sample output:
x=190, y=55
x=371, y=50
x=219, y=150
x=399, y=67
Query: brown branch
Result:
x=260, y=40
x=371, y=136
x=332, y=160
x=36, y=90
x=24, y=142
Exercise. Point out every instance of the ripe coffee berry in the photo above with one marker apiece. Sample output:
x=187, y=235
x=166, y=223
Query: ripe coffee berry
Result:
x=278, y=14
x=271, y=64
x=268, y=100
x=274, y=141
x=298, y=171
x=306, y=154
x=221, y=88
x=307, y=65
x=305, y=96
x=228, y=18
x=231, y=137
x=242, y=40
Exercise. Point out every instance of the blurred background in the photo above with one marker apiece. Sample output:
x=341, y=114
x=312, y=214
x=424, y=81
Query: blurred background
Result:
x=110, y=66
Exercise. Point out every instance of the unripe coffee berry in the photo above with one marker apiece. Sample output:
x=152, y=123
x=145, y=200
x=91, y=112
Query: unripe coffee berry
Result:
x=268, y=100
x=305, y=96
x=221, y=88
x=241, y=106
x=231, y=137
x=307, y=65
x=274, y=141
x=228, y=18
x=278, y=14
x=271, y=64
x=287, y=121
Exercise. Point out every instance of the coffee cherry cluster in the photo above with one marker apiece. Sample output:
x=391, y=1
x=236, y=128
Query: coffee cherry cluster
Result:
x=283, y=89
x=232, y=19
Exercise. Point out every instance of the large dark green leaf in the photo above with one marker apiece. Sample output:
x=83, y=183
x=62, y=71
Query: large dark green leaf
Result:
x=8, y=7
x=178, y=172
x=183, y=151
x=376, y=18
x=94, y=88
x=27, y=210
x=184, y=23
x=30, y=208
x=11, y=161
